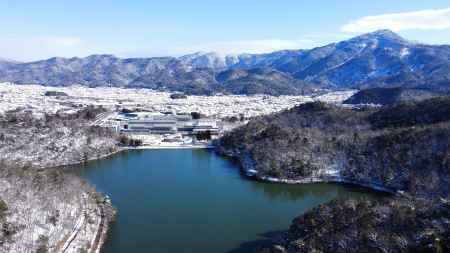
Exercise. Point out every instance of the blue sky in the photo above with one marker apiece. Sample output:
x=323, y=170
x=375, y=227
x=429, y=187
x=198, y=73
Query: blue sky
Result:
x=33, y=30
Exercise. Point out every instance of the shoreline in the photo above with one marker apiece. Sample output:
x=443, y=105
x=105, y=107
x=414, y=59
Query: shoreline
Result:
x=103, y=229
x=253, y=174
x=249, y=174
x=170, y=147
x=317, y=180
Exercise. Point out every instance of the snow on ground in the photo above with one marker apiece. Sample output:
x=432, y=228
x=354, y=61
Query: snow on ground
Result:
x=404, y=52
x=32, y=98
x=335, y=97
x=43, y=213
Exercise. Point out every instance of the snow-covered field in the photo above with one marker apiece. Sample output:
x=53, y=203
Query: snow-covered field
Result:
x=32, y=98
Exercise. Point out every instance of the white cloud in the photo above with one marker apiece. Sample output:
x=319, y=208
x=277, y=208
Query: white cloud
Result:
x=437, y=19
x=60, y=41
x=35, y=48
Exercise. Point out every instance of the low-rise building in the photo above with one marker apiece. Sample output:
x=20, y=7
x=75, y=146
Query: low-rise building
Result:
x=169, y=124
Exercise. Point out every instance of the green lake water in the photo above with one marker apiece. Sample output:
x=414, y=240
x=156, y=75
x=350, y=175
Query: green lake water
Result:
x=196, y=201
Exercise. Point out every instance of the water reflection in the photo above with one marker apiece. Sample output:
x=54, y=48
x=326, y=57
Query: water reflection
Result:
x=294, y=192
x=196, y=201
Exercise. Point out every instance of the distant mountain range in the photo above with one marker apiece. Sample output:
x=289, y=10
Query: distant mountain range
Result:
x=378, y=59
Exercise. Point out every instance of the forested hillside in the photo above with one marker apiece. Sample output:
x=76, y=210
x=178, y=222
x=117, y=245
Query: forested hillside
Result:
x=391, y=147
x=41, y=207
x=390, y=96
x=403, y=149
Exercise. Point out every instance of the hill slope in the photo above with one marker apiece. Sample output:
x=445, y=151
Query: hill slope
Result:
x=403, y=149
x=261, y=81
x=390, y=148
x=390, y=96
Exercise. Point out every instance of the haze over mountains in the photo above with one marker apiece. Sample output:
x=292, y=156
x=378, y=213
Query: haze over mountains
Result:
x=378, y=59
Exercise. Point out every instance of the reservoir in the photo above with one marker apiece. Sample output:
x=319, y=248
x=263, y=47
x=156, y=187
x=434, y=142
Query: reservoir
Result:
x=196, y=201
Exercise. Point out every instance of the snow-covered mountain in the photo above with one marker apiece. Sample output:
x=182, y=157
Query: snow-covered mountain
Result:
x=210, y=60
x=378, y=59
x=381, y=58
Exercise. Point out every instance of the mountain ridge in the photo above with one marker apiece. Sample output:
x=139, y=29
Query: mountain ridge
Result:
x=378, y=59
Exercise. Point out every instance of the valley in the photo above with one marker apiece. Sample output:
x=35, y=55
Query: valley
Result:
x=290, y=133
x=45, y=128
